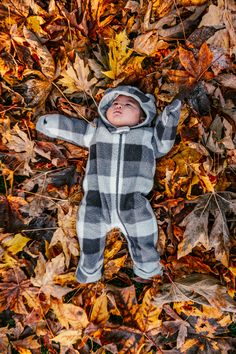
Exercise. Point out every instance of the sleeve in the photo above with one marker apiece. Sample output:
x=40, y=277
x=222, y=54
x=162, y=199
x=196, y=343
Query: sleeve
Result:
x=73, y=130
x=165, y=128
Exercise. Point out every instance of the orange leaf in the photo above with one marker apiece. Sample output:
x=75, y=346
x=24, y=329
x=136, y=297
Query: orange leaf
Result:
x=148, y=313
x=205, y=57
x=188, y=61
x=196, y=67
x=100, y=313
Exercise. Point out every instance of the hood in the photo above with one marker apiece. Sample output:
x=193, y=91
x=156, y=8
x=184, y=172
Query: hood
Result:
x=146, y=101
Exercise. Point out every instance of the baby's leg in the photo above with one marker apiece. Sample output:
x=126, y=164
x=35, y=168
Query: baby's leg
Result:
x=142, y=234
x=91, y=230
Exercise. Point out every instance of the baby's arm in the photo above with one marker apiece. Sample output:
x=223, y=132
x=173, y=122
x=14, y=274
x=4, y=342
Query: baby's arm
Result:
x=75, y=131
x=165, y=128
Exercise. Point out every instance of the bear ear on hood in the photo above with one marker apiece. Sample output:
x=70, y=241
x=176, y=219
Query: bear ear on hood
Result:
x=149, y=95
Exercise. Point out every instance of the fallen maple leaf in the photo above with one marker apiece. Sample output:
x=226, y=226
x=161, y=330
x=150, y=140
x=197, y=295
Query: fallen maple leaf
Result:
x=119, y=55
x=16, y=292
x=18, y=141
x=45, y=273
x=76, y=77
x=200, y=288
x=65, y=235
x=196, y=68
x=126, y=302
x=196, y=232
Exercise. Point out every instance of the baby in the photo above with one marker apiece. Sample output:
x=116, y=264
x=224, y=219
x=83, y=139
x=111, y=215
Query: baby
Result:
x=123, y=145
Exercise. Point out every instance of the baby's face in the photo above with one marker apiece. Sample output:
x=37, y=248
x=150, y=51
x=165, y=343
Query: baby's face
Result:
x=124, y=110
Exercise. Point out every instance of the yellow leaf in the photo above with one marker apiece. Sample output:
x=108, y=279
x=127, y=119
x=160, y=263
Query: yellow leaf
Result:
x=16, y=244
x=233, y=270
x=68, y=337
x=34, y=23
x=100, y=313
x=118, y=55
x=75, y=77
x=111, y=251
x=70, y=315
x=188, y=344
x=113, y=266
x=24, y=351
x=148, y=313
x=7, y=261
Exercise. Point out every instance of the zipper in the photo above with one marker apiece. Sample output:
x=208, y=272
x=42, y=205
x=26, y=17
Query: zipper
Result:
x=117, y=182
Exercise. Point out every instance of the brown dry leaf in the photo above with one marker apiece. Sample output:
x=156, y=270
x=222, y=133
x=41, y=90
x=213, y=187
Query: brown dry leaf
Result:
x=149, y=43
x=196, y=67
x=4, y=341
x=196, y=223
x=65, y=235
x=26, y=345
x=114, y=243
x=16, y=292
x=51, y=152
x=18, y=141
x=100, y=314
x=218, y=15
x=76, y=77
x=172, y=327
x=128, y=339
x=200, y=288
x=44, y=57
x=45, y=273
x=70, y=316
x=126, y=302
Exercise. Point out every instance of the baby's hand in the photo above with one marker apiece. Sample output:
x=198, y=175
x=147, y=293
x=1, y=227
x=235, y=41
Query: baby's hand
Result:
x=46, y=122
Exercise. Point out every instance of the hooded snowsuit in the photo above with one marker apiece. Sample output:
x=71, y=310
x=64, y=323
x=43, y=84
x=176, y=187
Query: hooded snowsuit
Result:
x=119, y=174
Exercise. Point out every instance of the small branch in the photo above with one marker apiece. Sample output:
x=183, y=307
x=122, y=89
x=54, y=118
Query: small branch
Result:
x=41, y=229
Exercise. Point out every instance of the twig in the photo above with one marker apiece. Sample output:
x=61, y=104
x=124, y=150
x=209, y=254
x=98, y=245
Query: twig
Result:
x=43, y=196
x=71, y=105
x=41, y=229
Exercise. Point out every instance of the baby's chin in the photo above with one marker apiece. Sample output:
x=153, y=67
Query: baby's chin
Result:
x=117, y=123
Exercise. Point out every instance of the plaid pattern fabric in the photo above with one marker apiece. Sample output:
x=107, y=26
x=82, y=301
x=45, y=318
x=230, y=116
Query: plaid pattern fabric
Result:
x=119, y=174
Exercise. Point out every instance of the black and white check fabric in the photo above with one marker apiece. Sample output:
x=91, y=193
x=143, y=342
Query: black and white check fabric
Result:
x=119, y=174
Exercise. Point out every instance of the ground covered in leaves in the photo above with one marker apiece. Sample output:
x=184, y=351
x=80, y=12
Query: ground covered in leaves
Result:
x=59, y=55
